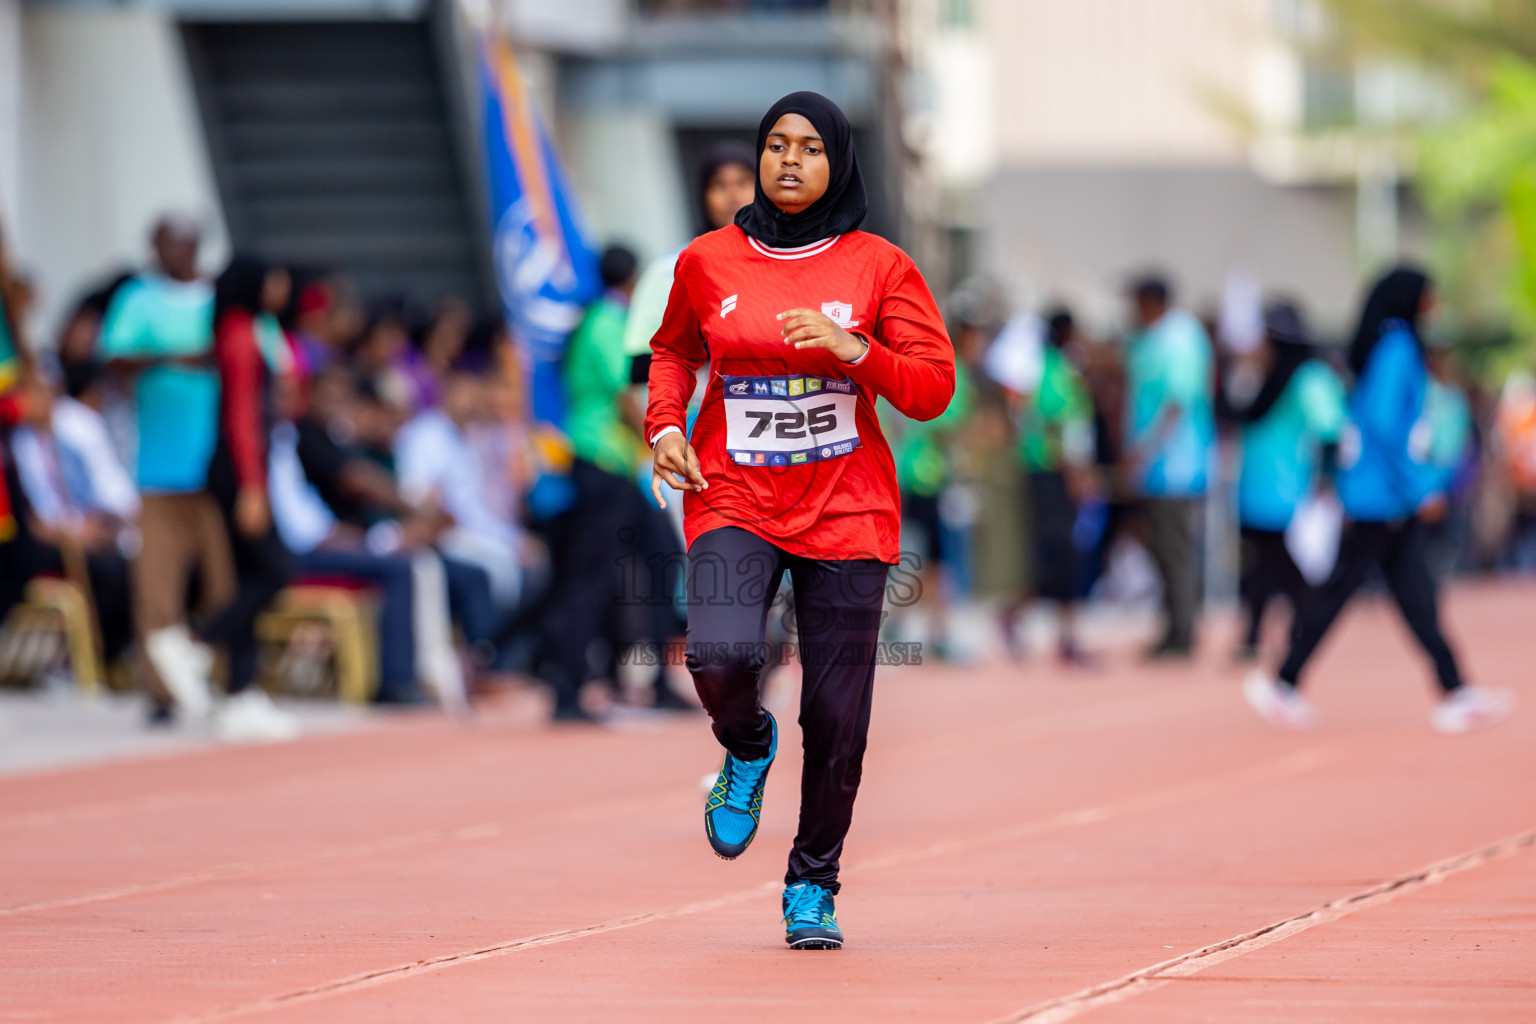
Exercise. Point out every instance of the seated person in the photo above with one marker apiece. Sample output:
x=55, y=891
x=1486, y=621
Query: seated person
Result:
x=362, y=494
x=434, y=456
x=78, y=499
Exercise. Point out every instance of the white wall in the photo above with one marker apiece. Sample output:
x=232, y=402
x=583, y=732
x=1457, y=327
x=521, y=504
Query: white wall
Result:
x=626, y=169
x=110, y=139
x=1123, y=81
x=10, y=112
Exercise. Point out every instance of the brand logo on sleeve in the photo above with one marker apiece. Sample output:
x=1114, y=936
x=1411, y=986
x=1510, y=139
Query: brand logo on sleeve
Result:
x=728, y=304
x=840, y=313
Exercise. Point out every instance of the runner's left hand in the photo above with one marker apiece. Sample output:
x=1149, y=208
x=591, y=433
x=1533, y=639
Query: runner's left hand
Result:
x=805, y=328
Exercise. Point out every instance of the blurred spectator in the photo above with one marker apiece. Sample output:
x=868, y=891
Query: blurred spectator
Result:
x=1515, y=431
x=1056, y=448
x=1170, y=433
x=586, y=543
x=158, y=330
x=78, y=505
x=923, y=452
x=434, y=458
x=1448, y=418
x=249, y=351
x=1291, y=412
x=435, y=347
x=379, y=353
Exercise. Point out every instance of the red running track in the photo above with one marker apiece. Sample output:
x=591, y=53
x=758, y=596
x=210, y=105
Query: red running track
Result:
x=1029, y=846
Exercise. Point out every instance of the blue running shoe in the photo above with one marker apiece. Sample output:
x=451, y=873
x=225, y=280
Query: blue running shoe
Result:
x=810, y=919
x=736, y=802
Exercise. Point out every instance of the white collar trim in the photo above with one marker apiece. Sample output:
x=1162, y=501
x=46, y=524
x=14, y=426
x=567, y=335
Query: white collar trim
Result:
x=799, y=252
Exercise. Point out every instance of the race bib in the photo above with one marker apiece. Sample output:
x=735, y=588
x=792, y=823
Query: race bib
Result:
x=789, y=421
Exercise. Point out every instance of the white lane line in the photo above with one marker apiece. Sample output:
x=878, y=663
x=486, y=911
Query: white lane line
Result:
x=1294, y=764
x=1065, y=1008
x=251, y=867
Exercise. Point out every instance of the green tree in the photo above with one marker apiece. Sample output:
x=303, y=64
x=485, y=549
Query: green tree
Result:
x=1477, y=167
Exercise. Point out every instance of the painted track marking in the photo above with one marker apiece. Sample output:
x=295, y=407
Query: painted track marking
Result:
x=1065, y=1008
x=1301, y=762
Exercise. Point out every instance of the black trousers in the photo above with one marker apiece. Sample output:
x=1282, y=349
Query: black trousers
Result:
x=733, y=578
x=263, y=567
x=1269, y=571
x=585, y=601
x=1400, y=550
x=1054, y=516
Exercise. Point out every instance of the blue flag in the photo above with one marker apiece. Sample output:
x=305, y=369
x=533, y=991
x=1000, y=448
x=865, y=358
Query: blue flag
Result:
x=546, y=272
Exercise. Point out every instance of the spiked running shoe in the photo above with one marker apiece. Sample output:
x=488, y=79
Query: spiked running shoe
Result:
x=810, y=919
x=736, y=802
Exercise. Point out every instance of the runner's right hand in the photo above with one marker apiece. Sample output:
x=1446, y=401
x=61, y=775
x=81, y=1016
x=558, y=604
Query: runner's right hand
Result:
x=676, y=463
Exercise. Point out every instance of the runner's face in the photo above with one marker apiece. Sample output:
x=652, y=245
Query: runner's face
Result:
x=729, y=189
x=794, y=168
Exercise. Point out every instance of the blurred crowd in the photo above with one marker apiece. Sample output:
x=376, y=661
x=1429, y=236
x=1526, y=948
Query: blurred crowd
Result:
x=188, y=449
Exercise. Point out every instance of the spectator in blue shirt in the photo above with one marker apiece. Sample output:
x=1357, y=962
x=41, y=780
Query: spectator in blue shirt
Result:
x=1170, y=432
x=1389, y=492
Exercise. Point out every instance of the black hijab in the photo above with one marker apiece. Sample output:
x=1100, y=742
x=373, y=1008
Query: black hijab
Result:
x=840, y=210
x=1286, y=332
x=1396, y=297
x=726, y=153
x=240, y=286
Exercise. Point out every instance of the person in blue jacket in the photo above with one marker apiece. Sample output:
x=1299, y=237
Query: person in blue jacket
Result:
x=1389, y=489
x=1295, y=414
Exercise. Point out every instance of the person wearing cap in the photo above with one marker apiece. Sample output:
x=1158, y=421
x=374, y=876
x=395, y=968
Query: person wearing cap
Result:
x=158, y=330
x=1169, y=438
x=1285, y=424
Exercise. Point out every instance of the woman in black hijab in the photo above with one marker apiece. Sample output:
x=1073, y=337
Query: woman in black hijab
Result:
x=249, y=290
x=1388, y=492
x=803, y=320
x=1286, y=428
x=841, y=206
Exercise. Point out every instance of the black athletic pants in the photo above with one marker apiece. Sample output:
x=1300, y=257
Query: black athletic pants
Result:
x=733, y=578
x=1400, y=550
x=1268, y=571
x=263, y=567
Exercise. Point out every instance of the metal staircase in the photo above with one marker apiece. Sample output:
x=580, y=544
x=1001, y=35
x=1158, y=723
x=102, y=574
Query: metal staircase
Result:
x=338, y=146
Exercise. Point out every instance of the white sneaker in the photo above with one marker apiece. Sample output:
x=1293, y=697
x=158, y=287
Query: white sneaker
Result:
x=182, y=667
x=1281, y=706
x=251, y=717
x=1472, y=708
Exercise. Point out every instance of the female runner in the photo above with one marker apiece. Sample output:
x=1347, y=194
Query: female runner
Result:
x=804, y=321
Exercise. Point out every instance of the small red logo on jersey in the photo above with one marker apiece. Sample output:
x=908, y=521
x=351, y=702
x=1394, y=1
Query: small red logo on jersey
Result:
x=840, y=313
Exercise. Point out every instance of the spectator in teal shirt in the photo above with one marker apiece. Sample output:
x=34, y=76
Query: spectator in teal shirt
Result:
x=159, y=328
x=1297, y=412
x=1170, y=433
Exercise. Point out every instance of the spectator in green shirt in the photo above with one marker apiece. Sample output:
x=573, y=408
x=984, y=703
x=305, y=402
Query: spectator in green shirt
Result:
x=1056, y=449
x=923, y=472
x=611, y=524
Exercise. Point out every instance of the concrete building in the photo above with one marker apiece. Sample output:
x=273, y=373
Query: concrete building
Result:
x=1185, y=134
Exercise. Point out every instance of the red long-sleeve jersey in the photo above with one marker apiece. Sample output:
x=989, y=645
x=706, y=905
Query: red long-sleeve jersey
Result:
x=788, y=439
x=241, y=396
